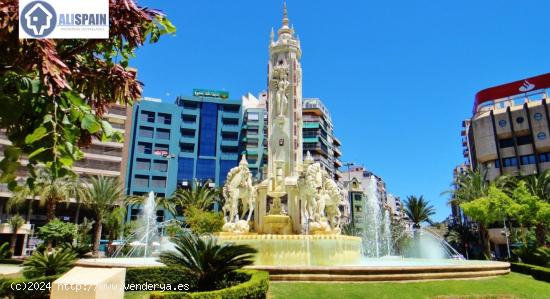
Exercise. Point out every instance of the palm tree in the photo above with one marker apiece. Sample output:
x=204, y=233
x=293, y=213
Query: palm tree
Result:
x=114, y=224
x=201, y=196
x=418, y=210
x=53, y=189
x=165, y=203
x=207, y=259
x=42, y=264
x=15, y=223
x=100, y=197
x=21, y=196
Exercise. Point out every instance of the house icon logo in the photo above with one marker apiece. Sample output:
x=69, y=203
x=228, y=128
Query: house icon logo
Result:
x=38, y=19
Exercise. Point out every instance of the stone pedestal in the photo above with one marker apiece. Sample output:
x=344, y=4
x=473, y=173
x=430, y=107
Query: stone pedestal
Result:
x=90, y=283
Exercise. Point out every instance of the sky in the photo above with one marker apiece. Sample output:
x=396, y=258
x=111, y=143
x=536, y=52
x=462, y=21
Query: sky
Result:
x=397, y=76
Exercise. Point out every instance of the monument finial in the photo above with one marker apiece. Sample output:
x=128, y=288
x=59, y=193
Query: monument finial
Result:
x=285, y=15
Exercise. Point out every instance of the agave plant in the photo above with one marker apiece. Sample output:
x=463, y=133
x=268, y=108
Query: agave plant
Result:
x=80, y=250
x=42, y=263
x=207, y=259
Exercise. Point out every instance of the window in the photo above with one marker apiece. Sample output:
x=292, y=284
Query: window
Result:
x=189, y=133
x=145, y=132
x=159, y=182
x=508, y=142
x=537, y=116
x=163, y=134
x=541, y=136
x=230, y=136
x=225, y=167
x=497, y=163
x=206, y=169
x=522, y=140
x=358, y=209
x=185, y=168
x=231, y=108
x=229, y=149
x=230, y=121
x=145, y=148
x=165, y=118
x=147, y=116
x=509, y=162
x=188, y=119
x=520, y=119
x=161, y=166
x=252, y=130
x=528, y=159
x=187, y=147
x=253, y=116
x=141, y=181
x=161, y=149
x=502, y=123
x=544, y=157
x=208, y=130
x=143, y=164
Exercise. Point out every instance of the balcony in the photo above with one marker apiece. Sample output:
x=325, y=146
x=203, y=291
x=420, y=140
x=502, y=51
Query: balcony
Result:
x=338, y=163
x=337, y=152
x=336, y=141
x=229, y=142
x=231, y=128
x=187, y=139
x=231, y=114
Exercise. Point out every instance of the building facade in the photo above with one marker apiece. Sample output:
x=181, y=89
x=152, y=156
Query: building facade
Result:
x=173, y=144
x=254, y=133
x=509, y=131
x=319, y=139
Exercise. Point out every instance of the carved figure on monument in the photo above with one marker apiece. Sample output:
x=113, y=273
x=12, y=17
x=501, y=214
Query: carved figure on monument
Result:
x=308, y=185
x=238, y=188
x=281, y=98
x=333, y=200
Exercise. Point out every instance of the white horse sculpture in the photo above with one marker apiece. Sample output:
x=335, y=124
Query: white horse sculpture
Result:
x=308, y=186
x=238, y=188
x=332, y=202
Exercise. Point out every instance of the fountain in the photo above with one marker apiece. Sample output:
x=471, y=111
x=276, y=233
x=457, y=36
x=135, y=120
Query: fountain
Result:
x=293, y=216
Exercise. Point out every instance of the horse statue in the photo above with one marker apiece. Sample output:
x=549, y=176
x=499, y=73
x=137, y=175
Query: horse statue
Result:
x=332, y=201
x=308, y=186
x=238, y=188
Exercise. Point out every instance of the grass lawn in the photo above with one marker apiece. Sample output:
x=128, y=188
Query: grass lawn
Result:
x=513, y=286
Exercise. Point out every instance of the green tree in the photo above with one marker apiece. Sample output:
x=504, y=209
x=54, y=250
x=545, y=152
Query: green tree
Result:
x=100, y=197
x=539, y=185
x=15, y=223
x=54, y=190
x=200, y=196
x=114, y=225
x=24, y=195
x=42, y=264
x=203, y=222
x=57, y=232
x=487, y=210
x=418, y=210
x=529, y=210
x=207, y=259
x=53, y=93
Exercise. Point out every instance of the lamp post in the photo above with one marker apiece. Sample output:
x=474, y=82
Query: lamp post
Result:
x=166, y=155
x=348, y=165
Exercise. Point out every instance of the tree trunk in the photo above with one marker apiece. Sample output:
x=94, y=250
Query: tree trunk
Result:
x=77, y=213
x=97, y=237
x=540, y=233
x=50, y=209
x=484, y=234
x=29, y=210
x=13, y=241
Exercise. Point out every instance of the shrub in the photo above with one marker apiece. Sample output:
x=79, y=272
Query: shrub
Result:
x=538, y=273
x=255, y=287
x=40, y=292
x=5, y=252
x=57, y=232
x=203, y=222
x=207, y=259
x=80, y=250
x=160, y=275
x=48, y=264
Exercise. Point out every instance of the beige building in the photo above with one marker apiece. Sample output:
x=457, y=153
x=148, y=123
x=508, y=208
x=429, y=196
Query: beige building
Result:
x=508, y=133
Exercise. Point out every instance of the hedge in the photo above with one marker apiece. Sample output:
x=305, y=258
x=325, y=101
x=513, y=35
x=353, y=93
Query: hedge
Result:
x=255, y=288
x=40, y=287
x=537, y=272
x=160, y=275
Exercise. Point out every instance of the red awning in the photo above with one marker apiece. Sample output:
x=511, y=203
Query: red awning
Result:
x=511, y=89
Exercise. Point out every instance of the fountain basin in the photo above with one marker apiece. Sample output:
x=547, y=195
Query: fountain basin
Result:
x=300, y=250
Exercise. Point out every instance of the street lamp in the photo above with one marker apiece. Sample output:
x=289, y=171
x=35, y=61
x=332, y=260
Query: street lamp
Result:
x=349, y=164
